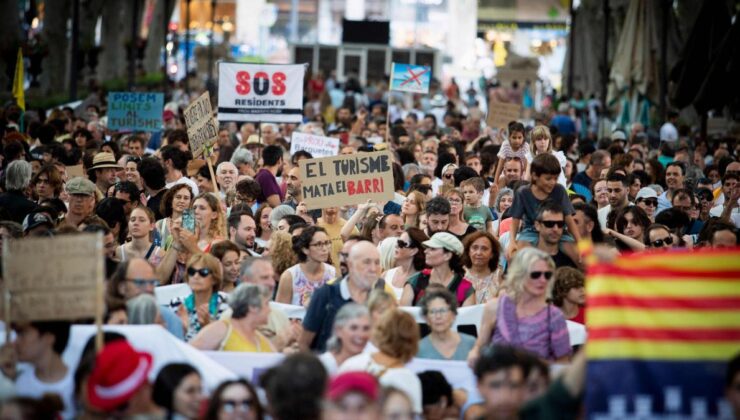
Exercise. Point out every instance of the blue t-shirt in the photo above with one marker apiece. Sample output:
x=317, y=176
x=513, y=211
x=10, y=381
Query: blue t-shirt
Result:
x=428, y=351
x=322, y=309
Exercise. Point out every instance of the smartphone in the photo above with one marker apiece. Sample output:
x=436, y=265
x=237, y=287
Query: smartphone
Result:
x=188, y=220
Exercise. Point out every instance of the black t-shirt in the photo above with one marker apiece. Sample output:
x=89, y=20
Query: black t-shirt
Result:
x=562, y=260
x=319, y=319
x=154, y=202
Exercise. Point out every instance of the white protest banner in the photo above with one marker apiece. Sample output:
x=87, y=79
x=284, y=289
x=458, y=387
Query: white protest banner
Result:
x=202, y=127
x=59, y=278
x=260, y=92
x=317, y=146
x=500, y=114
x=349, y=179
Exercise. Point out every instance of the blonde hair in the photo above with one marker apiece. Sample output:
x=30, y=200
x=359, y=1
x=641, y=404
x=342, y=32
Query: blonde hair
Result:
x=217, y=228
x=211, y=263
x=421, y=204
x=378, y=298
x=521, y=267
x=281, y=251
x=539, y=132
x=459, y=194
x=387, y=249
x=397, y=335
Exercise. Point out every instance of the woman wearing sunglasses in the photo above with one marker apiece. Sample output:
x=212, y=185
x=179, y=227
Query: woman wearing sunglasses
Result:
x=659, y=237
x=409, y=260
x=205, y=304
x=234, y=400
x=647, y=199
x=523, y=317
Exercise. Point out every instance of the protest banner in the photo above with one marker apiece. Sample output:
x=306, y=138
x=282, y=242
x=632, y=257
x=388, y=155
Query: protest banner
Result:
x=75, y=171
x=202, y=127
x=65, y=284
x=661, y=328
x=410, y=78
x=500, y=114
x=135, y=111
x=348, y=179
x=317, y=146
x=260, y=92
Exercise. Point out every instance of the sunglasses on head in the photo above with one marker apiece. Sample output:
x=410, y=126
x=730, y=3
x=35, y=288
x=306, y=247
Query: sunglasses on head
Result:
x=552, y=223
x=534, y=275
x=653, y=202
x=403, y=244
x=658, y=243
x=447, y=176
x=203, y=272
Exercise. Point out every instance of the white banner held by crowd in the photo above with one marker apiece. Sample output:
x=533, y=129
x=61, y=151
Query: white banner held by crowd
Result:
x=260, y=92
x=317, y=146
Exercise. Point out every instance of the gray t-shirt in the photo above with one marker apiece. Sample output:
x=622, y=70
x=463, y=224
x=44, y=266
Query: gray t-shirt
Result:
x=428, y=351
x=526, y=205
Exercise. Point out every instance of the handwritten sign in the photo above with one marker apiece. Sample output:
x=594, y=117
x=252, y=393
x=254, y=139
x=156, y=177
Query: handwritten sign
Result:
x=317, y=146
x=500, y=114
x=63, y=284
x=136, y=111
x=202, y=127
x=348, y=179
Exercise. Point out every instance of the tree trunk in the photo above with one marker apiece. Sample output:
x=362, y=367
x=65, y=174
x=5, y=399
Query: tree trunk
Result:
x=89, y=14
x=10, y=40
x=114, y=39
x=55, y=66
x=155, y=40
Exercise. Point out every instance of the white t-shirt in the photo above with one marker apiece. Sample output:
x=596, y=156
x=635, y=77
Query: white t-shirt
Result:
x=330, y=363
x=402, y=378
x=185, y=180
x=28, y=385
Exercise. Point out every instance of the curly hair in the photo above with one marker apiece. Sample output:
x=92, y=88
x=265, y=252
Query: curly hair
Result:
x=281, y=251
x=397, y=335
x=217, y=227
x=565, y=278
x=165, y=206
x=303, y=241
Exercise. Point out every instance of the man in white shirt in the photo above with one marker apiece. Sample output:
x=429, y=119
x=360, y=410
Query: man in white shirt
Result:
x=618, y=189
x=668, y=131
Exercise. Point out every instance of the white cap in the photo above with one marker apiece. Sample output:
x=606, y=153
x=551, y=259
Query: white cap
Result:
x=646, y=192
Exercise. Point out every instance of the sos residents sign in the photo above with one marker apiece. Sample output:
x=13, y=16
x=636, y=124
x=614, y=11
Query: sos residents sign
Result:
x=260, y=92
x=347, y=179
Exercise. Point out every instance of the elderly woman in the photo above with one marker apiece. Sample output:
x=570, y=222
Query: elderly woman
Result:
x=413, y=208
x=439, y=308
x=480, y=259
x=300, y=281
x=442, y=254
x=250, y=306
x=397, y=338
x=205, y=304
x=504, y=199
x=350, y=336
x=387, y=249
x=523, y=317
x=409, y=259
x=457, y=226
x=143, y=310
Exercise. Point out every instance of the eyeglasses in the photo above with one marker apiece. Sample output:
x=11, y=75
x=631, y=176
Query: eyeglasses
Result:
x=230, y=406
x=245, y=198
x=438, y=311
x=658, y=243
x=134, y=159
x=454, y=200
x=447, y=176
x=142, y=283
x=706, y=197
x=552, y=223
x=403, y=244
x=203, y=272
x=321, y=244
x=652, y=202
x=537, y=274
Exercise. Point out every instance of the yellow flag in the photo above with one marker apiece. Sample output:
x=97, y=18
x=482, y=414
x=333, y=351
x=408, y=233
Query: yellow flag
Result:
x=18, y=92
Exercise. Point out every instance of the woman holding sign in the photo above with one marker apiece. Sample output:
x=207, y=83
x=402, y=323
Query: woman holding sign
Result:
x=299, y=282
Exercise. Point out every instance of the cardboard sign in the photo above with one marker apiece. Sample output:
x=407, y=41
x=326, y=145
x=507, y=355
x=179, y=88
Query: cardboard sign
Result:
x=61, y=285
x=260, y=92
x=500, y=114
x=317, y=146
x=348, y=179
x=136, y=111
x=410, y=78
x=75, y=171
x=202, y=127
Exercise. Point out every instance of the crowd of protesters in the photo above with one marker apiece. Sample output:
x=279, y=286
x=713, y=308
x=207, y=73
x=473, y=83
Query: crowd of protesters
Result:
x=481, y=215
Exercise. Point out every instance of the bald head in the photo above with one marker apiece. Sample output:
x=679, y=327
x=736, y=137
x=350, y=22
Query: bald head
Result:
x=139, y=279
x=364, y=264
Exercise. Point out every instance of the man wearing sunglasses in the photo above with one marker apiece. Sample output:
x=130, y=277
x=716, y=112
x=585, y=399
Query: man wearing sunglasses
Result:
x=550, y=224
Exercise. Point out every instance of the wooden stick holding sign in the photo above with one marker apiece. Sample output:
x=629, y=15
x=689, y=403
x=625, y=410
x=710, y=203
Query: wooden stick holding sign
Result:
x=202, y=127
x=210, y=169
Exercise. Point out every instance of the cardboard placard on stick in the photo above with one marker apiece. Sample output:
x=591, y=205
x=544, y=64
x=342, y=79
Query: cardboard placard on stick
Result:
x=202, y=126
x=57, y=278
x=347, y=179
x=318, y=146
x=500, y=114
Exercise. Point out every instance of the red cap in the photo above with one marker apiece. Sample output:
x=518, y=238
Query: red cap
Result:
x=360, y=382
x=118, y=373
x=168, y=115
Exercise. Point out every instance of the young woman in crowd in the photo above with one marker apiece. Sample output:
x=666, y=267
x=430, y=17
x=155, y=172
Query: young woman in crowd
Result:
x=228, y=254
x=413, y=208
x=47, y=183
x=132, y=171
x=234, y=400
x=442, y=251
x=300, y=281
x=280, y=251
x=480, y=259
x=349, y=338
x=264, y=229
x=211, y=221
x=178, y=390
x=206, y=303
x=409, y=260
x=439, y=308
x=457, y=226
x=599, y=193
x=631, y=223
x=140, y=225
x=250, y=306
x=523, y=317
x=175, y=201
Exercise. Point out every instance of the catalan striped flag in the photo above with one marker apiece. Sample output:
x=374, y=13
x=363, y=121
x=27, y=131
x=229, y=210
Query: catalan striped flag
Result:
x=661, y=328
